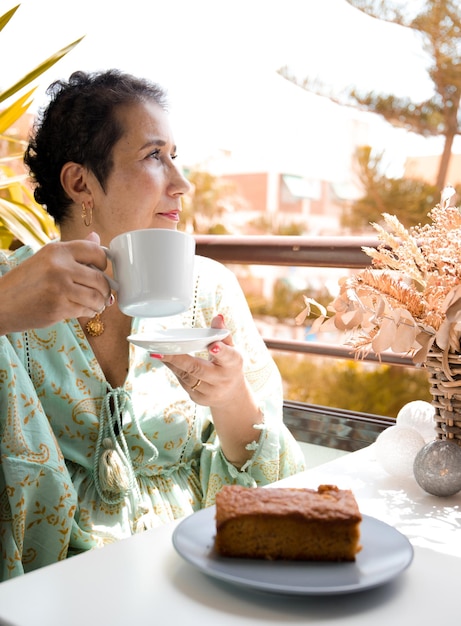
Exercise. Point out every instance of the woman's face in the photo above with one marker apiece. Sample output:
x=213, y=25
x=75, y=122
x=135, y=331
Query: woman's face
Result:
x=145, y=187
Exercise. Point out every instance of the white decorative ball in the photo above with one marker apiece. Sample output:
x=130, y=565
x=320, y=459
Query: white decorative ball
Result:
x=396, y=449
x=420, y=416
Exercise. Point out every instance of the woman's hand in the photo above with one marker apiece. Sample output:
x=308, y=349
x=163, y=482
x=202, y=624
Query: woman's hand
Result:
x=56, y=283
x=219, y=383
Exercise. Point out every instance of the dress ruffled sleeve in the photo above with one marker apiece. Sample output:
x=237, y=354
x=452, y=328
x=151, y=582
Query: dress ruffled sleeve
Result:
x=37, y=500
x=276, y=454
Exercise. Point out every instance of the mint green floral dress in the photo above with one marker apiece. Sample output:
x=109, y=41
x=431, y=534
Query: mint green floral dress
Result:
x=60, y=420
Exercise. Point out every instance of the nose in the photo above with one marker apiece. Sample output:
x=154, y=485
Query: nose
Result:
x=179, y=185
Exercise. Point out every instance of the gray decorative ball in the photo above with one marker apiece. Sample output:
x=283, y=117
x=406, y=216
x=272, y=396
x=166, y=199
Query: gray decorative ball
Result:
x=437, y=468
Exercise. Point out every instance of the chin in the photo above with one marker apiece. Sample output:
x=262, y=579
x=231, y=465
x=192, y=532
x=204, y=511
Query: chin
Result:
x=165, y=223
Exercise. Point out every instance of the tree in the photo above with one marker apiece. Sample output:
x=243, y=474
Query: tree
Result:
x=207, y=203
x=409, y=200
x=437, y=22
x=352, y=385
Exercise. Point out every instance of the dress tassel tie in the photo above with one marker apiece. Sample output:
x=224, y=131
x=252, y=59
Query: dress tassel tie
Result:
x=114, y=475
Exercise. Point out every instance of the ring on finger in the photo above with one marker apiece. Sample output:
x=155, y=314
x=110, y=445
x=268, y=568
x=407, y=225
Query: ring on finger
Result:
x=194, y=387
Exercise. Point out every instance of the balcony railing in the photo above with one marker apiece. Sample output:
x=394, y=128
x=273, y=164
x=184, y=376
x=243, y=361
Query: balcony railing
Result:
x=330, y=252
x=294, y=251
x=333, y=428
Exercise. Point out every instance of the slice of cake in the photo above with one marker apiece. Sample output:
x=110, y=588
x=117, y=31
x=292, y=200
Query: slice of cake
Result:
x=290, y=524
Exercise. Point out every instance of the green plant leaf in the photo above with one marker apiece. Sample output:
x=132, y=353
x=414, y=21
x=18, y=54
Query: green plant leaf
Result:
x=38, y=70
x=6, y=238
x=12, y=113
x=22, y=224
x=45, y=221
x=4, y=19
x=20, y=216
x=21, y=196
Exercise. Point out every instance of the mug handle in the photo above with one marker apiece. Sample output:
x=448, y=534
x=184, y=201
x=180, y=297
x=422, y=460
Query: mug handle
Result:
x=113, y=283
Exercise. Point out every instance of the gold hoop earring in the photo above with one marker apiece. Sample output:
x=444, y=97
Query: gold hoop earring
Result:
x=87, y=215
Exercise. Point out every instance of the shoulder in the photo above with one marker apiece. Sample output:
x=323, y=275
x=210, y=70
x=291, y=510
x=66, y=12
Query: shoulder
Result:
x=10, y=260
x=211, y=269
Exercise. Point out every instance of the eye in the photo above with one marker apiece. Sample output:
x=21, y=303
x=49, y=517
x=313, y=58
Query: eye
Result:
x=154, y=155
x=174, y=156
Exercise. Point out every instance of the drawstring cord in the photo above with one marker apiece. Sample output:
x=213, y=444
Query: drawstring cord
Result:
x=114, y=475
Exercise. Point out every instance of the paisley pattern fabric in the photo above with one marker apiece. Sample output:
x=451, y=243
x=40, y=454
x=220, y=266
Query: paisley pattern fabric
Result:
x=84, y=464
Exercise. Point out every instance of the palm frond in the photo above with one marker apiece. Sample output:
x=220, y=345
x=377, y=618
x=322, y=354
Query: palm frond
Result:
x=28, y=78
x=20, y=216
x=11, y=114
x=5, y=18
x=22, y=224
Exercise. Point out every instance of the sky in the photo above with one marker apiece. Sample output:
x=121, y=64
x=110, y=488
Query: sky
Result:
x=218, y=60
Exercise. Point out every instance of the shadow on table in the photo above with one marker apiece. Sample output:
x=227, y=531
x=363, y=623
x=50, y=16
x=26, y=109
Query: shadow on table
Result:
x=239, y=602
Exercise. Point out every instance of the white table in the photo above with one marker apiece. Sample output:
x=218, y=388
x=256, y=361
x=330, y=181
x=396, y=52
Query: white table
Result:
x=142, y=580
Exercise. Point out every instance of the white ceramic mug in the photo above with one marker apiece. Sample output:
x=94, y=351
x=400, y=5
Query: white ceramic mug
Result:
x=153, y=271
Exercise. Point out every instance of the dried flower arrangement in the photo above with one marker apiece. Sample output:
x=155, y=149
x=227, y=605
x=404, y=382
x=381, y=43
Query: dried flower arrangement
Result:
x=409, y=300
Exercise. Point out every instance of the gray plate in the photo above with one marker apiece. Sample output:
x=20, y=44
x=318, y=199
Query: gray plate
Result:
x=385, y=554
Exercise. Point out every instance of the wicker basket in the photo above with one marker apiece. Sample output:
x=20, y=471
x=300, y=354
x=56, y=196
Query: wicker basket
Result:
x=444, y=370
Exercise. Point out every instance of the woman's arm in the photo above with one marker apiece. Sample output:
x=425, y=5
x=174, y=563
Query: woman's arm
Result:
x=55, y=283
x=224, y=388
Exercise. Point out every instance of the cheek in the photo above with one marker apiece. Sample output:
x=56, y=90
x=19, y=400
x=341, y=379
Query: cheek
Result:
x=147, y=187
x=136, y=190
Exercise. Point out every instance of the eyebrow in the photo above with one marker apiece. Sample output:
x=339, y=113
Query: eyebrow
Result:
x=157, y=142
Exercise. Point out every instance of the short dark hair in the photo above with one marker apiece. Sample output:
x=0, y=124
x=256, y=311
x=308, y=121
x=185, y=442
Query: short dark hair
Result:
x=80, y=125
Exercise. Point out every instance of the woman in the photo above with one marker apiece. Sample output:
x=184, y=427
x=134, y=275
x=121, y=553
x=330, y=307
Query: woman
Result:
x=130, y=440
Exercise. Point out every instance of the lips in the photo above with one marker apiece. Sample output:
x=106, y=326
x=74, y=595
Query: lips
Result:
x=171, y=215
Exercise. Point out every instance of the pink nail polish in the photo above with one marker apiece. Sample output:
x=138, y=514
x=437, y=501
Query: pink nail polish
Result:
x=215, y=349
x=155, y=356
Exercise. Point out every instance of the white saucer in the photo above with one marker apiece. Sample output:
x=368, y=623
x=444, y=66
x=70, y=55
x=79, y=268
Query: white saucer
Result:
x=178, y=340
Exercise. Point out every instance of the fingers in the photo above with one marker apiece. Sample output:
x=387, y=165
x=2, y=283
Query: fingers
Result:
x=190, y=374
x=94, y=237
x=87, y=253
x=186, y=368
x=86, y=265
x=72, y=288
x=219, y=322
x=211, y=382
x=208, y=381
x=56, y=283
x=196, y=384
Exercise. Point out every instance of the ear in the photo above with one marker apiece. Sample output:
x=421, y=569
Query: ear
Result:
x=74, y=180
